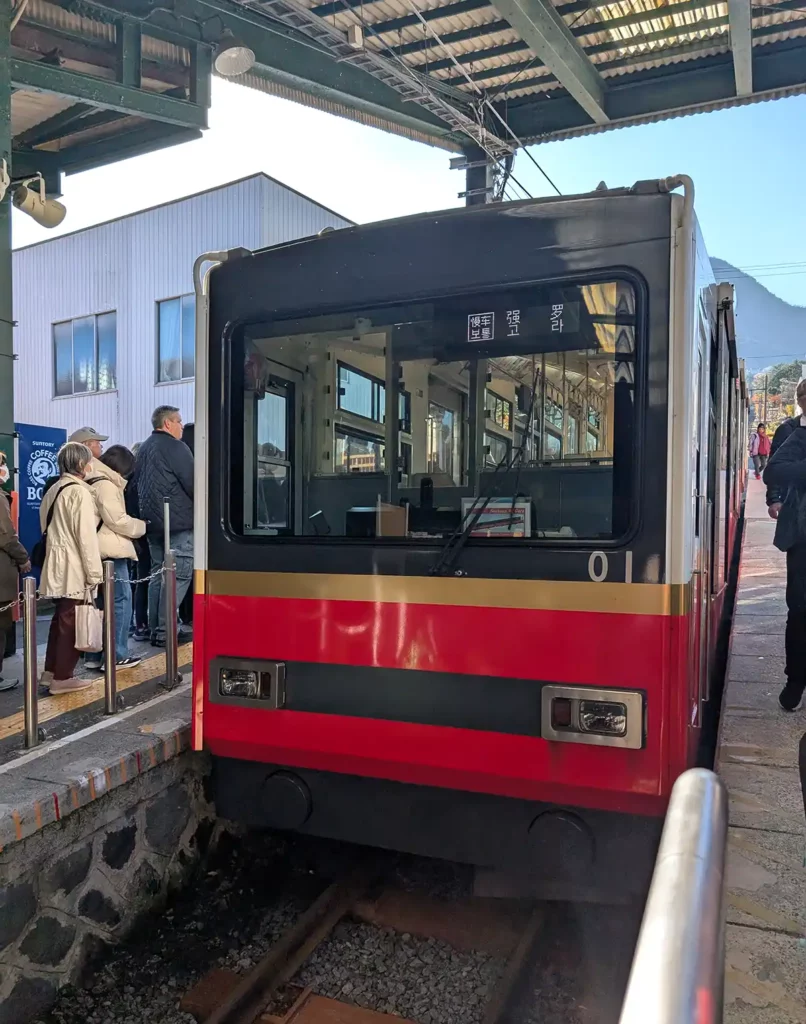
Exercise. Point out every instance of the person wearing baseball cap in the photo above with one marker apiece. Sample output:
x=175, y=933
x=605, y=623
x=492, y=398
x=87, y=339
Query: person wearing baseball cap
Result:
x=90, y=437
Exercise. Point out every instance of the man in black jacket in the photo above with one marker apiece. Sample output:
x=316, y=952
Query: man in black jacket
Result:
x=782, y=432
x=786, y=476
x=164, y=469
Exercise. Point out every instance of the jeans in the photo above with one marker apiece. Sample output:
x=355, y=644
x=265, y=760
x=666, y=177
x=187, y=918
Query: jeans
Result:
x=123, y=608
x=760, y=463
x=142, y=568
x=182, y=544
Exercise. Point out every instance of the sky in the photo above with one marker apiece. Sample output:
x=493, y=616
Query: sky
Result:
x=747, y=165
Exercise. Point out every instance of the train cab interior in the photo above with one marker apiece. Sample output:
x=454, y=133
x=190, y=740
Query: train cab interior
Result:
x=515, y=415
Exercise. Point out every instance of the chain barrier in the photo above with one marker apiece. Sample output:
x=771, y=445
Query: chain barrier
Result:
x=76, y=595
x=27, y=601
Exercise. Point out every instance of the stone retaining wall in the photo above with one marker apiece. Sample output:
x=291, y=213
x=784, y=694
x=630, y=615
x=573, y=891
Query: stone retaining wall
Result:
x=82, y=882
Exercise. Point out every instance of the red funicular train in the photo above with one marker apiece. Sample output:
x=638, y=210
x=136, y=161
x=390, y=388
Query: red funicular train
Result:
x=472, y=484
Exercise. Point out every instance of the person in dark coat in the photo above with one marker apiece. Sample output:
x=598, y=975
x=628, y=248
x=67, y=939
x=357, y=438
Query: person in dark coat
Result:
x=782, y=432
x=786, y=473
x=141, y=568
x=13, y=561
x=164, y=469
x=186, y=607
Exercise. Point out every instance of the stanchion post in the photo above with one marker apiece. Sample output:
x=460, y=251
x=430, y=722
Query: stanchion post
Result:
x=110, y=658
x=171, y=653
x=171, y=610
x=31, y=695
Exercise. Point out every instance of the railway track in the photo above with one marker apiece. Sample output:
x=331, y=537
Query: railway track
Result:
x=271, y=991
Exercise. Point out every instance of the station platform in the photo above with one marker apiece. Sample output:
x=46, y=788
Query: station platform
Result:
x=765, y=980
x=68, y=713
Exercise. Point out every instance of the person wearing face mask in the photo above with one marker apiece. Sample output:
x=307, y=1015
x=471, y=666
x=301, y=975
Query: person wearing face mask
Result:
x=164, y=469
x=72, y=565
x=13, y=561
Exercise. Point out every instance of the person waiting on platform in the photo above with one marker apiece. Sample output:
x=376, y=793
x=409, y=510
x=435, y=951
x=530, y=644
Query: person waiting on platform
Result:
x=786, y=473
x=760, y=449
x=116, y=531
x=72, y=566
x=13, y=561
x=782, y=432
x=164, y=469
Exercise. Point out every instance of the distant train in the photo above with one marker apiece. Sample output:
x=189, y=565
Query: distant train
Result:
x=472, y=487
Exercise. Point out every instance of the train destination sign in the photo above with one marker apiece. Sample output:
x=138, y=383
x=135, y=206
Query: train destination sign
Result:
x=515, y=321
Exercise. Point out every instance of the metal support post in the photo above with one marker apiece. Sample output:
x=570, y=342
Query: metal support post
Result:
x=171, y=640
x=478, y=178
x=31, y=694
x=171, y=610
x=6, y=313
x=110, y=659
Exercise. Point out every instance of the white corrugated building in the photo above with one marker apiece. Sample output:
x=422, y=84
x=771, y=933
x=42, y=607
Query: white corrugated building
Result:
x=105, y=314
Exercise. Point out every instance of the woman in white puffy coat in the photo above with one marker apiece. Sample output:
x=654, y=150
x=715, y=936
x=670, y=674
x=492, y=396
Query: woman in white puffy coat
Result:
x=116, y=530
x=72, y=566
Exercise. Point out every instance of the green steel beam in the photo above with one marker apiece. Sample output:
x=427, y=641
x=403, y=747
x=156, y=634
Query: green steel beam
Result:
x=6, y=309
x=52, y=127
x=741, y=43
x=41, y=77
x=146, y=139
x=538, y=23
x=130, y=53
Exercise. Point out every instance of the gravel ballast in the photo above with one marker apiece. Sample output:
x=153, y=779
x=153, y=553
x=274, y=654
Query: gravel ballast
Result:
x=251, y=893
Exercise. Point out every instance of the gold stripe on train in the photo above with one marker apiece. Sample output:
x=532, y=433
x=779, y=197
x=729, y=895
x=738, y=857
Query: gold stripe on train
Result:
x=535, y=595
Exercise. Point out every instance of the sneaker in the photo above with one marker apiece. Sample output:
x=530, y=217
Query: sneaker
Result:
x=141, y=633
x=157, y=641
x=8, y=684
x=94, y=666
x=130, y=662
x=791, y=697
x=46, y=679
x=70, y=685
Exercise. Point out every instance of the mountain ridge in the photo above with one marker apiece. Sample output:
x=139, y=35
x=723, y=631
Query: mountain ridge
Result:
x=769, y=329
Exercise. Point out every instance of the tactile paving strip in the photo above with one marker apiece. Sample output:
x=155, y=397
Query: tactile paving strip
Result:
x=53, y=707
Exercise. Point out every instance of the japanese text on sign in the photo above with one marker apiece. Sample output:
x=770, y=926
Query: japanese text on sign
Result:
x=557, y=317
x=481, y=327
x=513, y=323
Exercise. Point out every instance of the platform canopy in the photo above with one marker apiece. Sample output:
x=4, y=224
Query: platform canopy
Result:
x=452, y=72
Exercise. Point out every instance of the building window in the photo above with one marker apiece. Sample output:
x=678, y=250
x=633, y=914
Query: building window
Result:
x=441, y=439
x=176, y=338
x=499, y=410
x=85, y=355
x=364, y=395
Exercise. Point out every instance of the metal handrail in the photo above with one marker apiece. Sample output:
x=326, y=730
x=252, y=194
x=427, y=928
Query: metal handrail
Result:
x=677, y=973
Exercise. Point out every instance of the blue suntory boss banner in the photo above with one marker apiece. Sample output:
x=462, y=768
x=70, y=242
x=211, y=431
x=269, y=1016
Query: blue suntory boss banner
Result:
x=38, y=448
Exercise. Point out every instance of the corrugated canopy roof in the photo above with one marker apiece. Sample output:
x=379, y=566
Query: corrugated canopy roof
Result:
x=531, y=70
x=96, y=80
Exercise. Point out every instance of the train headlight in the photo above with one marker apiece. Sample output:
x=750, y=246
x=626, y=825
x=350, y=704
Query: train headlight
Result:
x=239, y=683
x=581, y=714
x=603, y=718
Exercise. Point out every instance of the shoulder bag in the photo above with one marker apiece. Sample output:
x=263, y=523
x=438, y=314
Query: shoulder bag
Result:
x=40, y=548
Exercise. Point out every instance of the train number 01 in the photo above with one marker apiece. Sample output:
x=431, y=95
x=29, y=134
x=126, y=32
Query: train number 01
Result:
x=598, y=566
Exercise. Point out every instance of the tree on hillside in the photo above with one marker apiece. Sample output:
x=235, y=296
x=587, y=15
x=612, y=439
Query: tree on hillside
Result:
x=781, y=375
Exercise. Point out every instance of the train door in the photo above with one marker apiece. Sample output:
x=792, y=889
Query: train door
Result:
x=704, y=431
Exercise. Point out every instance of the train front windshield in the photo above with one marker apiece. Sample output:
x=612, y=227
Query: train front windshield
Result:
x=525, y=397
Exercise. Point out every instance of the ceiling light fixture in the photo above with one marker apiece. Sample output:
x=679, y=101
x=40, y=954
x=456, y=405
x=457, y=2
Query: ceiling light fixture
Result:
x=233, y=58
